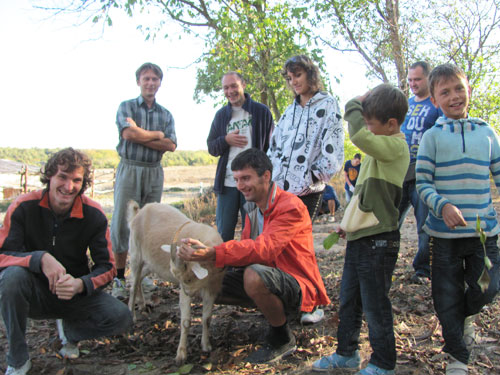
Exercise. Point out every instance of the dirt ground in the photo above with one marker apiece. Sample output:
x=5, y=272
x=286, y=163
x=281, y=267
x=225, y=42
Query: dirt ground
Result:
x=151, y=346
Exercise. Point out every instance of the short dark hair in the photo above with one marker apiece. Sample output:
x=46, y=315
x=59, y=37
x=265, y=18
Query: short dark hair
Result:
x=69, y=160
x=357, y=156
x=384, y=102
x=252, y=158
x=149, y=66
x=444, y=72
x=233, y=73
x=295, y=63
x=426, y=68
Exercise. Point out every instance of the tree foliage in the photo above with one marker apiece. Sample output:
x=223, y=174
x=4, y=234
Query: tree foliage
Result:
x=377, y=30
x=467, y=34
x=252, y=37
x=392, y=34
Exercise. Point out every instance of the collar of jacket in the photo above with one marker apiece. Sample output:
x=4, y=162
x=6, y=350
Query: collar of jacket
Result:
x=76, y=210
x=246, y=105
x=252, y=210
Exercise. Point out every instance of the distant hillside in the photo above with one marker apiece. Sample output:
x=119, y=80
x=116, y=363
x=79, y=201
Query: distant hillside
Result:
x=105, y=158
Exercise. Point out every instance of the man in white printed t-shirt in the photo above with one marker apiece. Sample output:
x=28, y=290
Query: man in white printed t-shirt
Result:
x=241, y=124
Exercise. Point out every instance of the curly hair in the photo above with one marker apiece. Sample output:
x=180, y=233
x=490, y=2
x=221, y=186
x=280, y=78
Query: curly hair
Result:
x=69, y=160
x=298, y=62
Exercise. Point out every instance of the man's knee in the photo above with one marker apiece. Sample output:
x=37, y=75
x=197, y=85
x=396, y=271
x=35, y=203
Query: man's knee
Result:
x=13, y=280
x=253, y=283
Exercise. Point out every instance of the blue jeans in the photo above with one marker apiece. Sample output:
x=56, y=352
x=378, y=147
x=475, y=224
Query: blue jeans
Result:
x=421, y=261
x=226, y=214
x=455, y=261
x=24, y=295
x=366, y=280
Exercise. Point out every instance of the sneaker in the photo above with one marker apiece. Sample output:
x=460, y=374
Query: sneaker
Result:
x=470, y=331
x=312, y=317
x=337, y=361
x=331, y=219
x=23, y=370
x=371, y=369
x=119, y=291
x=148, y=285
x=455, y=367
x=269, y=353
x=68, y=350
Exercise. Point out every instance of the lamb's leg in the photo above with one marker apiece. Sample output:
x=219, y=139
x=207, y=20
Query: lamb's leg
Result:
x=136, y=266
x=208, y=305
x=185, y=307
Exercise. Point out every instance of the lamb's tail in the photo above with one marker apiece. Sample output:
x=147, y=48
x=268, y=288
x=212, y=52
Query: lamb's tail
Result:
x=132, y=210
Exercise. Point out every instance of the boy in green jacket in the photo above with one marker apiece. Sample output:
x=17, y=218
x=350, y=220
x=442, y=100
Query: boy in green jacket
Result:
x=371, y=226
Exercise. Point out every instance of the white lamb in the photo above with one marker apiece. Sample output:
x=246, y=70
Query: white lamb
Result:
x=159, y=224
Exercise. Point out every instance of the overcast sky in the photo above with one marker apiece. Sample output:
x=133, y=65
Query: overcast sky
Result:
x=60, y=89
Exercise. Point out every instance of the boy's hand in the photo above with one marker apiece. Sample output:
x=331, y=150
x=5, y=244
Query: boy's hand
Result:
x=452, y=216
x=340, y=231
x=363, y=97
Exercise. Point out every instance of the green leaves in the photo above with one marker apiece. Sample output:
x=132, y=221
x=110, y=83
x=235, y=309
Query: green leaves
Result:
x=331, y=240
x=484, y=279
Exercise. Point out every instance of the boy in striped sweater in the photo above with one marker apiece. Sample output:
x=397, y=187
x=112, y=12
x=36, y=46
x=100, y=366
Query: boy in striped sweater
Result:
x=453, y=168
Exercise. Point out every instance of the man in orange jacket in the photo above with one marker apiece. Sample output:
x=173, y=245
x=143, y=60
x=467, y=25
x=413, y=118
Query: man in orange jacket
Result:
x=275, y=264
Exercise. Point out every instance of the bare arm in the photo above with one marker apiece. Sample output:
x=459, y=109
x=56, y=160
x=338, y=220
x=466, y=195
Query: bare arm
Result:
x=164, y=144
x=139, y=135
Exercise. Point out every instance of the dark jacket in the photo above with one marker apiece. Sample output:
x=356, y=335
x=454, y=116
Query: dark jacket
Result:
x=31, y=229
x=262, y=128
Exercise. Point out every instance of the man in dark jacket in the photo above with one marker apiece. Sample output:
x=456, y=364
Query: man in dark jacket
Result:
x=44, y=268
x=240, y=125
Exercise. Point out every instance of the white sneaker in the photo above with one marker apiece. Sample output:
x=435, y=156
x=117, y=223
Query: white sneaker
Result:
x=119, y=291
x=68, y=350
x=312, y=317
x=455, y=367
x=23, y=370
x=470, y=336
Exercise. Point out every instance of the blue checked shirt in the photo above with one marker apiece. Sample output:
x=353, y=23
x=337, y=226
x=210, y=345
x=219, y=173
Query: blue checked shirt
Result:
x=155, y=118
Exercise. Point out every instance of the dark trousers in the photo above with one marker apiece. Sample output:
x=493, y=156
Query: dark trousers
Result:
x=313, y=203
x=25, y=295
x=421, y=262
x=455, y=262
x=366, y=280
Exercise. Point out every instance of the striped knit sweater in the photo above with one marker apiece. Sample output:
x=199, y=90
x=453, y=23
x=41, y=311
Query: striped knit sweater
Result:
x=454, y=161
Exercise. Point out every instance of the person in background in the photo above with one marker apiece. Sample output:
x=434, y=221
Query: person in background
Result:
x=330, y=204
x=44, y=267
x=454, y=162
x=421, y=116
x=145, y=131
x=307, y=145
x=371, y=227
x=351, y=172
x=241, y=124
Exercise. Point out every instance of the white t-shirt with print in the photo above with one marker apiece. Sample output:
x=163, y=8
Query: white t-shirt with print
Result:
x=240, y=120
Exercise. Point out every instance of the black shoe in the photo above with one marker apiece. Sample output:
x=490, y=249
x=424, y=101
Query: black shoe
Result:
x=270, y=353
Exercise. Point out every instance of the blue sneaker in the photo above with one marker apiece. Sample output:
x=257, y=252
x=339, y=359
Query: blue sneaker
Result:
x=337, y=361
x=374, y=370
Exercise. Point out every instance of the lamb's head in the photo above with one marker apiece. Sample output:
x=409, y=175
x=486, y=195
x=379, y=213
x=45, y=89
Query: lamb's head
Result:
x=191, y=275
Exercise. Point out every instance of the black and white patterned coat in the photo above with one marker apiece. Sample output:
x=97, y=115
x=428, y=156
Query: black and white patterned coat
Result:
x=307, y=145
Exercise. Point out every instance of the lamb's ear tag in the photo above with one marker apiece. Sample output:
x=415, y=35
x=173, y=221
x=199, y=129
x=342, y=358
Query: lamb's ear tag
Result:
x=199, y=271
x=165, y=248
